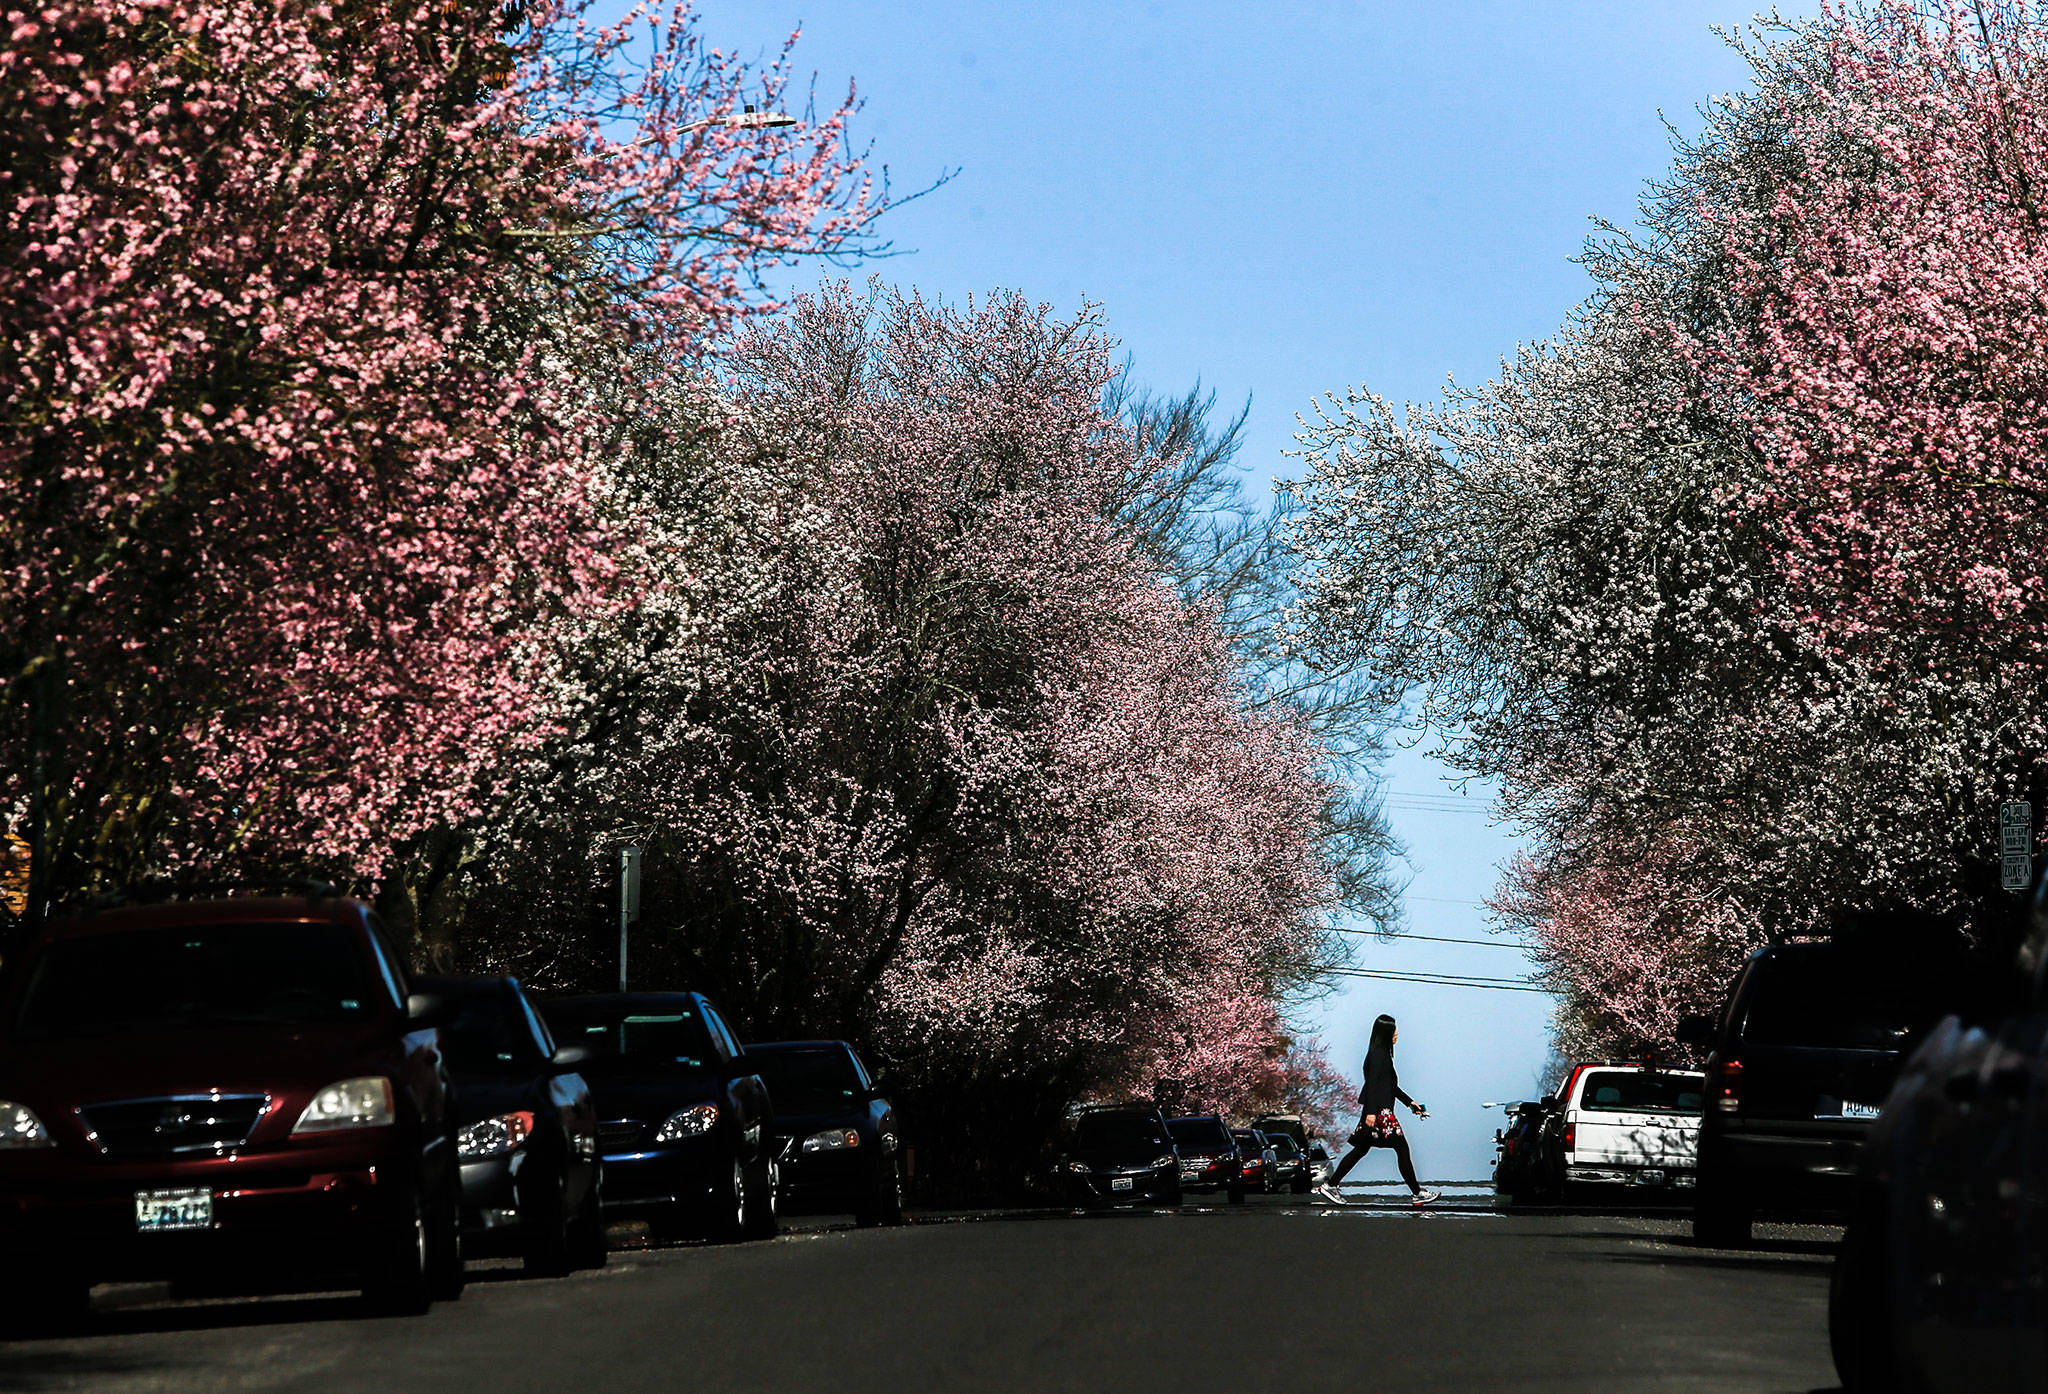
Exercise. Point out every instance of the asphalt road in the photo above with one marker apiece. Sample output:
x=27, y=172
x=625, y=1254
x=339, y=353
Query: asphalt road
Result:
x=1277, y=1296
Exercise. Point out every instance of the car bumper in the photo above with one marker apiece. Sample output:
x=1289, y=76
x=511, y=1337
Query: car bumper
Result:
x=1800, y=1167
x=491, y=1194
x=302, y=1209
x=691, y=1172
x=1203, y=1183
x=1143, y=1187
x=1598, y=1174
x=841, y=1179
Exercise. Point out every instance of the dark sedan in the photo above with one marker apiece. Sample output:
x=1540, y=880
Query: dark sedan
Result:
x=684, y=1121
x=1256, y=1158
x=1123, y=1156
x=1209, y=1159
x=836, y=1140
x=526, y=1130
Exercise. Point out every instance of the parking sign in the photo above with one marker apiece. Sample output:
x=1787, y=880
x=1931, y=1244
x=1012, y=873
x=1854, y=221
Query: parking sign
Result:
x=2016, y=845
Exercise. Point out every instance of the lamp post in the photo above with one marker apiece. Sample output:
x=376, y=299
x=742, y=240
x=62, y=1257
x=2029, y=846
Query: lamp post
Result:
x=750, y=119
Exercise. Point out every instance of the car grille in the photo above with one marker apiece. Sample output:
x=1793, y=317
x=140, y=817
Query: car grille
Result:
x=619, y=1133
x=216, y=1123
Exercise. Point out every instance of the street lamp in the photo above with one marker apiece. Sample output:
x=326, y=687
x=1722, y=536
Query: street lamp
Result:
x=747, y=120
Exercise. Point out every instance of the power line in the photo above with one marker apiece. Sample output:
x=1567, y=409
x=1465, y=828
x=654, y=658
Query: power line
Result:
x=1445, y=900
x=1429, y=938
x=1441, y=979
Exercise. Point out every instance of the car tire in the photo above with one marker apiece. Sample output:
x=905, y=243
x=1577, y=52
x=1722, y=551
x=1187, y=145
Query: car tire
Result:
x=395, y=1276
x=1174, y=1197
x=885, y=1203
x=1721, y=1221
x=447, y=1275
x=1300, y=1185
x=588, y=1246
x=725, y=1222
x=544, y=1250
x=1237, y=1194
x=759, y=1220
x=1859, y=1326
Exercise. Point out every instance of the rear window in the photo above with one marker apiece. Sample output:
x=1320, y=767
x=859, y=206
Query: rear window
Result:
x=1200, y=1134
x=623, y=1040
x=1640, y=1091
x=488, y=1037
x=1283, y=1146
x=197, y=977
x=1119, y=1132
x=1828, y=1000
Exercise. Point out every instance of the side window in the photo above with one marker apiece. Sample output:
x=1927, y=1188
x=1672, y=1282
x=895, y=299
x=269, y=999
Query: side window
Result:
x=539, y=1028
x=867, y=1081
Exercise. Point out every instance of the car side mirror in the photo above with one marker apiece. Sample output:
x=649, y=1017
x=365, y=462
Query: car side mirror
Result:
x=1700, y=1031
x=570, y=1057
x=429, y=1009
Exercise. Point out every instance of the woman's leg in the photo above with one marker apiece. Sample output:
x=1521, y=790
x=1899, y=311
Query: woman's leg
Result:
x=1350, y=1160
x=1399, y=1143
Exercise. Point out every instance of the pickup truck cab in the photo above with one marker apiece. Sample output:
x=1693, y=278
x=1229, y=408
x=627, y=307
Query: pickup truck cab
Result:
x=1631, y=1125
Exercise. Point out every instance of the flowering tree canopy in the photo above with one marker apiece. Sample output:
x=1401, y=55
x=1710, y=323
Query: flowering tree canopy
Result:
x=295, y=462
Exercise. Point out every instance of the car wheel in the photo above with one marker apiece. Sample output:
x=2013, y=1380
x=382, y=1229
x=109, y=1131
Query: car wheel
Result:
x=1859, y=1331
x=885, y=1202
x=1174, y=1197
x=545, y=1250
x=726, y=1222
x=1300, y=1185
x=42, y=1303
x=395, y=1275
x=1721, y=1221
x=446, y=1275
x=588, y=1247
x=758, y=1219
x=1237, y=1194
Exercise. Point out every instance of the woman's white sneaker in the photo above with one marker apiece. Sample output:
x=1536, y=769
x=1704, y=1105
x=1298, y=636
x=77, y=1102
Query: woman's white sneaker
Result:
x=1331, y=1194
x=1424, y=1196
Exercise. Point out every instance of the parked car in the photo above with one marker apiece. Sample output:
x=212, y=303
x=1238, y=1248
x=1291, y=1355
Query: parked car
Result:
x=1122, y=1154
x=1319, y=1164
x=223, y=1092
x=1941, y=1282
x=1527, y=1167
x=1295, y=1169
x=1625, y=1124
x=1209, y=1159
x=1290, y=1167
x=685, y=1123
x=1256, y=1153
x=526, y=1130
x=837, y=1145
x=1802, y=1057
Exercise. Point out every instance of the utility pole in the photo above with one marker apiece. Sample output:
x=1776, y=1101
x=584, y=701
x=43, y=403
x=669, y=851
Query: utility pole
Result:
x=629, y=901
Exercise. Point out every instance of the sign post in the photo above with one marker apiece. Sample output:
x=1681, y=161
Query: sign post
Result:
x=629, y=901
x=2016, y=845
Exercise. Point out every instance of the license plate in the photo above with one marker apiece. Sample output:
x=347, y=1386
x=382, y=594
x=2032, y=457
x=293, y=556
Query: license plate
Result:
x=1650, y=1177
x=1191, y=1176
x=1120, y=1183
x=185, y=1208
x=1850, y=1110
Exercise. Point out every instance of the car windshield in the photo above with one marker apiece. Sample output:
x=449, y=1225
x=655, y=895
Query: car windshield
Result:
x=195, y=977
x=1820, y=999
x=1640, y=1091
x=622, y=1039
x=1118, y=1132
x=1199, y=1135
x=808, y=1081
x=488, y=1037
x=1248, y=1143
x=1284, y=1147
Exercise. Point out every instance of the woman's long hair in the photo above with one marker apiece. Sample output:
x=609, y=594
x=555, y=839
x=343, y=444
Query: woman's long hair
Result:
x=1382, y=1046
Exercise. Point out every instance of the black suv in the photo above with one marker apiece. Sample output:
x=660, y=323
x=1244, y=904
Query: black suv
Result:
x=1802, y=1058
x=230, y=1092
x=836, y=1140
x=684, y=1121
x=526, y=1130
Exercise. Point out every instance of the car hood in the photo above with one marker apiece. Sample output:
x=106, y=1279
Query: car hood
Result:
x=1117, y=1156
x=650, y=1098
x=229, y=1060
x=489, y=1096
x=804, y=1124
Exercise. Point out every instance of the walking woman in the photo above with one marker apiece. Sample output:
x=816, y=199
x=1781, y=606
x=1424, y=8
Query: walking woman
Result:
x=1377, y=1126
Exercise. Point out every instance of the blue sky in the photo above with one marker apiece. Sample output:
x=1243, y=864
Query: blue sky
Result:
x=1282, y=199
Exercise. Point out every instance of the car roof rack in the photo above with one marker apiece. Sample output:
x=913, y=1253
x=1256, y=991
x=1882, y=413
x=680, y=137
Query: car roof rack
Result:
x=166, y=888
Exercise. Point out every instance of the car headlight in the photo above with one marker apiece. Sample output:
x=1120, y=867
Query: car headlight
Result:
x=690, y=1122
x=19, y=1127
x=1081, y=1167
x=350, y=1103
x=836, y=1140
x=1169, y=1160
x=494, y=1137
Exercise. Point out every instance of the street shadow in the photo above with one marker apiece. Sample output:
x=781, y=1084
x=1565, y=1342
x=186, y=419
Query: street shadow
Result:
x=28, y=1367
x=1755, y=1263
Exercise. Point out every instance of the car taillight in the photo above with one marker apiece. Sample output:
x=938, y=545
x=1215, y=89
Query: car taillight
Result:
x=1571, y=1136
x=1728, y=1087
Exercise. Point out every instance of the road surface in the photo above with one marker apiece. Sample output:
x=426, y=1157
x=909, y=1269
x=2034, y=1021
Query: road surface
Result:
x=1276, y=1296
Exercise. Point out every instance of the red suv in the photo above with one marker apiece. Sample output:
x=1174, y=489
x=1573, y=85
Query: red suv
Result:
x=229, y=1092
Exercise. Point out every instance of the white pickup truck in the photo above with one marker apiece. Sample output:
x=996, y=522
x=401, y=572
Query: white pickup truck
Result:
x=1631, y=1125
